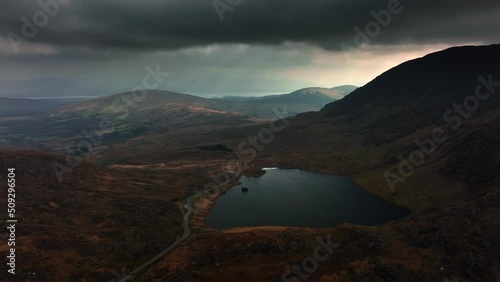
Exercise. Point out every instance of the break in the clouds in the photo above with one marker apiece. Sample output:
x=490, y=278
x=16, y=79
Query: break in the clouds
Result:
x=228, y=45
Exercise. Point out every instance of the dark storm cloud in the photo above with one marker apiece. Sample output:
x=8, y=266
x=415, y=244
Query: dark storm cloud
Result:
x=173, y=24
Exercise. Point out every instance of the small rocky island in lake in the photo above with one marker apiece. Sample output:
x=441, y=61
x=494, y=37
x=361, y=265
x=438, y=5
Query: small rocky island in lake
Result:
x=244, y=189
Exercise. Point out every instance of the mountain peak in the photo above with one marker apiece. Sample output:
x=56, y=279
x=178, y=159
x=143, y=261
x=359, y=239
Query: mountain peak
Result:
x=310, y=91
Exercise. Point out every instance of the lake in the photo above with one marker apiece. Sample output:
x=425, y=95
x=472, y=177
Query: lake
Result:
x=297, y=198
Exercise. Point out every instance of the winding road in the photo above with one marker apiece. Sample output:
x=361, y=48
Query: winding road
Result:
x=188, y=210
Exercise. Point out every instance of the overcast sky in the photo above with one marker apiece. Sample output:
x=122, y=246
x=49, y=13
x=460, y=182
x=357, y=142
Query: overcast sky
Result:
x=97, y=47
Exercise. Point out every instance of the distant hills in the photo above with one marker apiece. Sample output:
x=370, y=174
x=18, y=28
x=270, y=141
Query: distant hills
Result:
x=300, y=101
x=148, y=122
x=303, y=100
x=311, y=95
x=158, y=100
x=345, y=89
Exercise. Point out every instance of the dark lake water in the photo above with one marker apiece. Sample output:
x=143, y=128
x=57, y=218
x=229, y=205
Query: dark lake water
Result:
x=297, y=198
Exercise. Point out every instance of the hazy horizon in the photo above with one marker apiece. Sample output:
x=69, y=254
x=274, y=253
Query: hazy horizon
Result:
x=198, y=94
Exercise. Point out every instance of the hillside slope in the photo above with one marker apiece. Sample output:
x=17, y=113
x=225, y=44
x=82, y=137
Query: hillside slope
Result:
x=419, y=92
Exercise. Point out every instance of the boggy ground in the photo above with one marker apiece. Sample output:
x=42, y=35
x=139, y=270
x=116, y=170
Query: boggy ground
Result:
x=99, y=221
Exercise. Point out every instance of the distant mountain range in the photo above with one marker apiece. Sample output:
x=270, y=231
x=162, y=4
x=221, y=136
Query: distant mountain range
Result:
x=190, y=120
x=315, y=95
x=304, y=100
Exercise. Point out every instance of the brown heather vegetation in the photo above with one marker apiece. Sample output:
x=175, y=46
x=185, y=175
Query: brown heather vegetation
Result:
x=98, y=219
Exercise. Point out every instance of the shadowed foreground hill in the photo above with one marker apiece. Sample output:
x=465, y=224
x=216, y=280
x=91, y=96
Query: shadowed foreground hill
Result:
x=419, y=92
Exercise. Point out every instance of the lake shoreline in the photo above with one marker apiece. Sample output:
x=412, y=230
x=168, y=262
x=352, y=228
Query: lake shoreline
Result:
x=296, y=198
